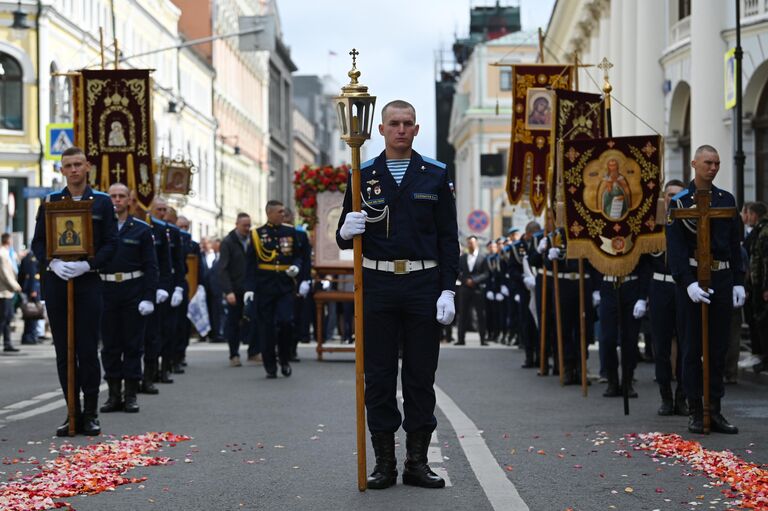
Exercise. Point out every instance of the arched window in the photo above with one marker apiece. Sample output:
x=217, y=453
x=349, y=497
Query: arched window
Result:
x=11, y=93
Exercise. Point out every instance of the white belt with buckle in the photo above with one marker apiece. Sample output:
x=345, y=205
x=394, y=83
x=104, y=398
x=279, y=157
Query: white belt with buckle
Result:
x=715, y=266
x=398, y=266
x=612, y=278
x=121, y=276
x=565, y=276
x=663, y=277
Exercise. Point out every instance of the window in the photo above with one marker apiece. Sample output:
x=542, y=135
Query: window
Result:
x=11, y=93
x=505, y=79
x=60, y=96
x=683, y=9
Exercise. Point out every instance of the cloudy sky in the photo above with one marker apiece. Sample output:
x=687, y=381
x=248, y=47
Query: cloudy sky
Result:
x=397, y=41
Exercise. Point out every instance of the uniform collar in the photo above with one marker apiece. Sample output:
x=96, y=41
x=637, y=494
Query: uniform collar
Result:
x=87, y=192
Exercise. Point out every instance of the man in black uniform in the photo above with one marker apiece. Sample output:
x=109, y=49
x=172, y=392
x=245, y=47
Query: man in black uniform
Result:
x=191, y=250
x=273, y=262
x=88, y=298
x=726, y=293
x=304, y=278
x=410, y=261
x=473, y=275
x=130, y=283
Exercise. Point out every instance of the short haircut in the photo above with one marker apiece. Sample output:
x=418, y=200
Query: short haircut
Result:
x=159, y=200
x=272, y=203
x=182, y=217
x=398, y=103
x=242, y=215
x=471, y=237
x=532, y=227
x=121, y=185
x=72, y=151
x=704, y=148
x=758, y=208
x=5, y=238
x=674, y=182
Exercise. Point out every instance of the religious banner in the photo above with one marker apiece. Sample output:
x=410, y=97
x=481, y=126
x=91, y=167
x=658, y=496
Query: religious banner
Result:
x=611, y=186
x=578, y=116
x=113, y=125
x=532, y=119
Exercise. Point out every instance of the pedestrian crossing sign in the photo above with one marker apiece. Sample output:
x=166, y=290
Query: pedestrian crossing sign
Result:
x=59, y=137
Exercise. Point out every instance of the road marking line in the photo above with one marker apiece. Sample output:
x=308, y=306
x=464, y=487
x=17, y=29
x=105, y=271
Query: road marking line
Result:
x=442, y=472
x=59, y=403
x=501, y=492
x=29, y=402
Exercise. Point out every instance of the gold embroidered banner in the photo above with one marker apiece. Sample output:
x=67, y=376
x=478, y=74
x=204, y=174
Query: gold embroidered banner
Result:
x=532, y=120
x=113, y=125
x=611, y=186
x=578, y=116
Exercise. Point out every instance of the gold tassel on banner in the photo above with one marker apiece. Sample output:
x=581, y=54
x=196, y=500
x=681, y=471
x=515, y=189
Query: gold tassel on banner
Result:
x=104, y=180
x=131, y=181
x=661, y=211
x=560, y=214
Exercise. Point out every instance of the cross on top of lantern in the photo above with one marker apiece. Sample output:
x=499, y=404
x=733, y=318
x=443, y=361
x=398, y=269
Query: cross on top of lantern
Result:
x=354, y=108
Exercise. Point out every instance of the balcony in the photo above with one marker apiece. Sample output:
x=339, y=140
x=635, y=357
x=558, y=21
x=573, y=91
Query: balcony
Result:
x=681, y=31
x=753, y=7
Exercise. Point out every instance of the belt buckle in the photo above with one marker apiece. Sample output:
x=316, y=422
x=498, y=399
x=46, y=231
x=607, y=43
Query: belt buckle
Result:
x=715, y=265
x=401, y=266
x=118, y=277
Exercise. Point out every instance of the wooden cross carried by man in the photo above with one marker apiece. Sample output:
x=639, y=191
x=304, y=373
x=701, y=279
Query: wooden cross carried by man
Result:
x=703, y=214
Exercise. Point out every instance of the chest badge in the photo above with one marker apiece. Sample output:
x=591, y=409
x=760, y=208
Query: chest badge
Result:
x=377, y=190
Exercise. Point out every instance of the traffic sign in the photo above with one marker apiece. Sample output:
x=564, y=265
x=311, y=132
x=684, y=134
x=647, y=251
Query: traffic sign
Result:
x=478, y=220
x=59, y=137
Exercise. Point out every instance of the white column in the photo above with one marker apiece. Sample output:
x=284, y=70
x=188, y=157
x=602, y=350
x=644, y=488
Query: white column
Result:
x=614, y=55
x=627, y=68
x=707, y=108
x=650, y=98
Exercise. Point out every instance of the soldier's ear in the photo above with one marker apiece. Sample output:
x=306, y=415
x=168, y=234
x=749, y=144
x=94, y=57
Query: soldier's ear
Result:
x=381, y=129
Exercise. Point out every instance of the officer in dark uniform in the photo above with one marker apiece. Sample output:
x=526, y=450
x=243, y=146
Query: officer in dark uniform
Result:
x=304, y=278
x=411, y=262
x=664, y=321
x=727, y=289
x=523, y=283
x=168, y=310
x=272, y=265
x=538, y=261
x=191, y=249
x=130, y=284
x=88, y=297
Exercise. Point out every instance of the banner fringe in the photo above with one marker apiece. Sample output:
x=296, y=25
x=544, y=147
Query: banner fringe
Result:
x=617, y=266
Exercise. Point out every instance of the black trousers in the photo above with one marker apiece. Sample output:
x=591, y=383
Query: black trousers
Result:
x=88, y=307
x=528, y=332
x=468, y=299
x=720, y=311
x=122, y=330
x=169, y=339
x=550, y=342
x=401, y=308
x=152, y=333
x=569, y=316
x=665, y=324
x=183, y=327
x=275, y=323
x=611, y=312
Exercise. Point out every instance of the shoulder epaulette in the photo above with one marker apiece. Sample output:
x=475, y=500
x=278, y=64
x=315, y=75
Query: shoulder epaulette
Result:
x=157, y=221
x=433, y=162
x=96, y=192
x=50, y=195
x=142, y=222
x=185, y=233
x=366, y=164
x=681, y=194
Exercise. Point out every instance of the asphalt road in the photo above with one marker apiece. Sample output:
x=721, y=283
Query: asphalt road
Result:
x=290, y=443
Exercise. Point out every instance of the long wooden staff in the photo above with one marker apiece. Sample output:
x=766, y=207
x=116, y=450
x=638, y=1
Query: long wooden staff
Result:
x=357, y=247
x=558, y=321
x=582, y=328
x=71, y=391
x=543, y=359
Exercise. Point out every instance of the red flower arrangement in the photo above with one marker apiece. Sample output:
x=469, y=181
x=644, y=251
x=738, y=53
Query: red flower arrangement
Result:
x=309, y=181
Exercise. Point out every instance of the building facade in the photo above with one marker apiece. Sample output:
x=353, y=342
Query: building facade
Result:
x=669, y=74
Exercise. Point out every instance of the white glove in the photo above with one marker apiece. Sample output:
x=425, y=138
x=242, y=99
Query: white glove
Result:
x=639, y=310
x=697, y=294
x=517, y=298
x=595, y=298
x=499, y=297
x=530, y=282
x=292, y=271
x=489, y=295
x=554, y=253
x=445, y=308
x=325, y=284
x=178, y=296
x=161, y=295
x=77, y=268
x=199, y=289
x=354, y=224
x=739, y=296
x=504, y=290
x=60, y=268
x=542, y=245
x=248, y=297
x=146, y=307
x=304, y=288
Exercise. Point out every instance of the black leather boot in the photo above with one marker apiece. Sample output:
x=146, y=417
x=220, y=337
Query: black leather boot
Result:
x=115, y=400
x=63, y=430
x=91, y=426
x=165, y=370
x=630, y=376
x=718, y=423
x=417, y=472
x=176, y=367
x=667, y=403
x=131, y=405
x=681, y=407
x=695, y=416
x=384, y=473
x=613, y=389
x=148, y=382
x=571, y=376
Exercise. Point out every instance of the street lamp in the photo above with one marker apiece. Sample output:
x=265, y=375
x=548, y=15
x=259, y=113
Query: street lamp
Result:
x=19, y=18
x=354, y=108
